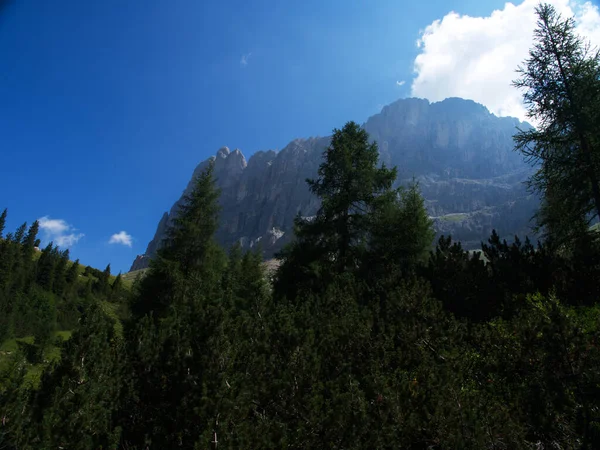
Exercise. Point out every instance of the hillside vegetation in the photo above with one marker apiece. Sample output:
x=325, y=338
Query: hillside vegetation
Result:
x=42, y=297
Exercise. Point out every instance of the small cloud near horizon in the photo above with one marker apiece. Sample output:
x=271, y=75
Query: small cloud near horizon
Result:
x=59, y=232
x=245, y=58
x=400, y=83
x=121, y=238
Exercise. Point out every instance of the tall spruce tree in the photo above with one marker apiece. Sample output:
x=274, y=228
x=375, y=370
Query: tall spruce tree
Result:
x=561, y=84
x=189, y=244
x=177, y=329
x=351, y=188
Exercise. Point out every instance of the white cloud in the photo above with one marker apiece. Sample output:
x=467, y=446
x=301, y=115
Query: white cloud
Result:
x=245, y=58
x=400, y=83
x=67, y=240
x=59, y=231
x=476, y=57
x=121, y=238
x=53, y=226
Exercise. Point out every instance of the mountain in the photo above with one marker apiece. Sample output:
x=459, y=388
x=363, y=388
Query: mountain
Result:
x=461, y=154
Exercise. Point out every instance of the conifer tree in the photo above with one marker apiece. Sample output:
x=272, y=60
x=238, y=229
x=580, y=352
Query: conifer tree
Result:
x=2, y=221
x=186, y=250
x=31, y=237
x=402, y=235
x=117, y=290
x=561, y=83
x=72, y=272
x=44, y=318
x=27, y=248
x=176, y=334
x=20, y=233
x=6, y=261
x=351, y=188
x=45, y=267
x=118, y=283
x=60, y=272
x=106, y=273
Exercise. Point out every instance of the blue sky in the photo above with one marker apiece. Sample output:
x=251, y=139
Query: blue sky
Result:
x=107, y=107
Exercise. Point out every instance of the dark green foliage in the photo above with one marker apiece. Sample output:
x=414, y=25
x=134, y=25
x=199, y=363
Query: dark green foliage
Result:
x=103, y=284
x=402, y=235
x=30, y=239
x=72, y=272
x=495, y=282
x=77, y=400
x=175, y=346
x=353, y=192
x=460, y=281
x=190, y=244
x=544, y=365
x=20, y=233
x=561, y=83
x=2, y=221
x=350, y=187
x=117, y=290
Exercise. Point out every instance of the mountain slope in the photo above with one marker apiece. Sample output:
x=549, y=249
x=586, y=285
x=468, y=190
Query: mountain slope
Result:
x=461, y=154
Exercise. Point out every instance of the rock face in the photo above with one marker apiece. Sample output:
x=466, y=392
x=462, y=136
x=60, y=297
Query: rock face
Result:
x=461, y=154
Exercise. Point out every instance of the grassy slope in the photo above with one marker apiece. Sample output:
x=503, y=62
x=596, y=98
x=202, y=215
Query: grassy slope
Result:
x=454, y=217
x=9, y=348
x=130, y=277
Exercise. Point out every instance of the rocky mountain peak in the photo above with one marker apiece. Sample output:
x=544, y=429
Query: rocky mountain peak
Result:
x=235, y=162
x=461, y=154
x=223, y=153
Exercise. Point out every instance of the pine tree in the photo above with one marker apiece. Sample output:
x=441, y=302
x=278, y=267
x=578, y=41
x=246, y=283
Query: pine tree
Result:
x=402, y=234
x=60, y=272
x=27, y=249
x=20, y=233
x=351, y=189
x=44, y=318
x=191, y=239
x=45, y=267
x=2, y=221
x=73, y=272
x=186, y=250
x=561, y=80
x=30, y=239
x=177, y=329
x=118, y=283
x=117, y=290
x=103, y=284
x=6, y=262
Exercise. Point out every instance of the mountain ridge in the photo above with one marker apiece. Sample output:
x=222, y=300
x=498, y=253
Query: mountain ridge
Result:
x=460, y=153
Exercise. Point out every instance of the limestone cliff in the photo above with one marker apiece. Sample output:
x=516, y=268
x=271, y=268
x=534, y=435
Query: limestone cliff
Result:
x=461, y=154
